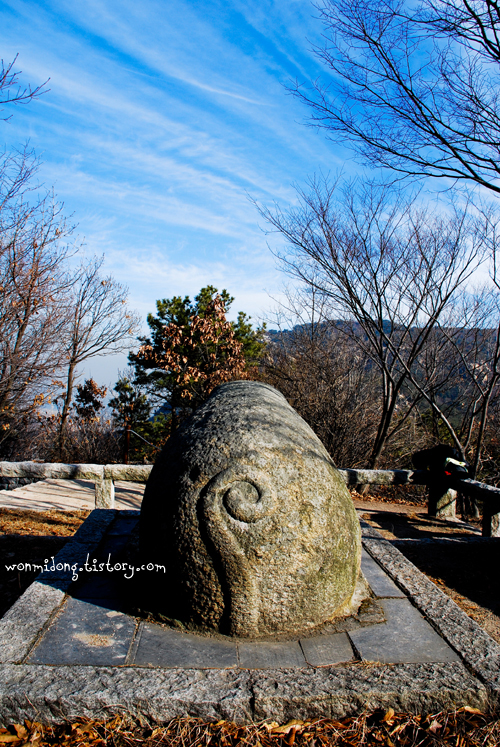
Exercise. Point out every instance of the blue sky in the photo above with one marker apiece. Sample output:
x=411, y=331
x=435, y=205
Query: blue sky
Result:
x=161, y=120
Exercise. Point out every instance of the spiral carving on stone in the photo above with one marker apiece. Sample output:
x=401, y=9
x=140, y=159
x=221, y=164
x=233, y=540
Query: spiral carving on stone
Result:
x=236, y=497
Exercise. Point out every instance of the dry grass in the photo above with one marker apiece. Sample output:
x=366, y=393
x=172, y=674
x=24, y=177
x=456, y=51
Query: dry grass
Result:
x=465, y=727
x=22, y=523
x=30, y=537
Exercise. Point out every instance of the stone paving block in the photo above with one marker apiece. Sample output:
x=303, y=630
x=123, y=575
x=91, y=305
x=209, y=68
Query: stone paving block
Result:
x=102, y=587
x=112, y=545
x=325, y=650
x=21, y=624
x=334, y=692
x=270, y=655
x=123, y=525
x=380, y=583
x=163, y=647
x=405, y=637
x=475, y=646
x=86, y=633
x=94, y=527
x=56, y=694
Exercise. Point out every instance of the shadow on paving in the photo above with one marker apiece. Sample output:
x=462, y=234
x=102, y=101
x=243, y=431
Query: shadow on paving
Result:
x=18, y=551
x=415, y=526
x=30, y=537
x=469, y=569
x=465, y=568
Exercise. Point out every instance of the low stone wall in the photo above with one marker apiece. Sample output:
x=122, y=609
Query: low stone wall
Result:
x=382, y=477
x=104, y=477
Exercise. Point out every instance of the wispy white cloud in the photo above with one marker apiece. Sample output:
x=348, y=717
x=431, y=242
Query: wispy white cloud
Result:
x=161, y=119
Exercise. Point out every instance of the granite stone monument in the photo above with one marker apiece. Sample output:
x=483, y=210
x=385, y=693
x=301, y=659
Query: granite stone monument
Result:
x=255, y=527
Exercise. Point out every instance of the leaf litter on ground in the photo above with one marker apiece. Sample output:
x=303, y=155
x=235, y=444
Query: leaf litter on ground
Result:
x=465, y=727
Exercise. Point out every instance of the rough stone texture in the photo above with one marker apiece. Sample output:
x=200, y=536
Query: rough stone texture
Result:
x=41, y=471
x=246, y=507
x=45, y=693
x=130, y=472
x=442, y=501
x=341, y=691
x=54, y=693
x=104, y=493
x=22, y=624
x=381, y=476
x=475, y=646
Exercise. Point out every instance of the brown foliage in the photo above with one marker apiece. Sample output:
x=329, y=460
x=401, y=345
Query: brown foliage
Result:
x=465, y=727
x=200, y=356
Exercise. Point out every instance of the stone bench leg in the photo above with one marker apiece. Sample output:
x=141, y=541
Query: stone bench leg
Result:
x=491, y=519
x=442, y=502
x=104, y=493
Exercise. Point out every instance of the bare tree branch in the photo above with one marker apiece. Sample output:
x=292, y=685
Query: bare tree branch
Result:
x=413, y=88
x=389, y=274
x=11, y=91
x=99, y=323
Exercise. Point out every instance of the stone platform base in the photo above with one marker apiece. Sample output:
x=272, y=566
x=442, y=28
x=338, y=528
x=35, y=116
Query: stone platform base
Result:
x=71, y=649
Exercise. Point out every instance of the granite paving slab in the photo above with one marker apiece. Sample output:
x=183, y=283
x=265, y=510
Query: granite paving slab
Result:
x=162, y=647
x=70, y=649
x=85, y=633
x=475, y=647
x=380, y=583
x=406, y=637
x=326, y=650
x=270, y=655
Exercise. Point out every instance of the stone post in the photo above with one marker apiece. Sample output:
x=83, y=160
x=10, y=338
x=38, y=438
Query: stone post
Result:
x=491, y=519
x=442, y=501
x=104, y=493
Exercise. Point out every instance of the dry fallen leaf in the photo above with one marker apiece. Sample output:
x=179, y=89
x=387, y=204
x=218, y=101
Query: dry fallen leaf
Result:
x=293, y=724
x=20, y=731
x=270, y=725
x=469, y=709
x=388, y=717
x=434, y=726
x=6, y=737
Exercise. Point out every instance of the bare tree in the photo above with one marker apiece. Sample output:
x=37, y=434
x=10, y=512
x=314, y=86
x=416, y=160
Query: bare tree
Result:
x=33, y=287
x=99, y=323
x=414, y=86
x=388, y=272
x=457, y=373
x=326, y=377
x=11, y=91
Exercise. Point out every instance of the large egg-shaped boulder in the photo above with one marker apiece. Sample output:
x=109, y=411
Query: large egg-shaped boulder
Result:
x=255, y=526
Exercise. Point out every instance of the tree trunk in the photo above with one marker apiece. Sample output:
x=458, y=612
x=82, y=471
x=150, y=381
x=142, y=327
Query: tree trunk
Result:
x=65, y=411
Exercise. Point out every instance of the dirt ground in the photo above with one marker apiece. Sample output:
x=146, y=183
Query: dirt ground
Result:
x=468, y=573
